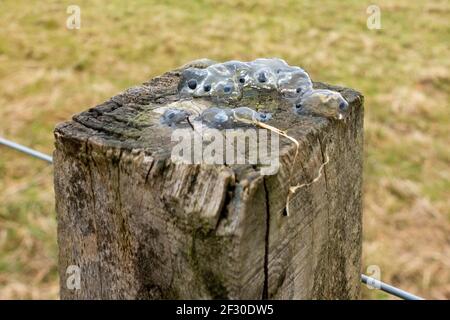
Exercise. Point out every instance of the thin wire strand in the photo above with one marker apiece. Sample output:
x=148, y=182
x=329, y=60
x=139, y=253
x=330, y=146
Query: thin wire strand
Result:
x=26, y=150
x=377, y=284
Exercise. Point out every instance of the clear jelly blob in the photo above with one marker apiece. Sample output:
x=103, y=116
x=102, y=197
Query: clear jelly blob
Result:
x=322, y=102
x=216, y=117
x=226, y=80
x=245, y=114
x=172, y=117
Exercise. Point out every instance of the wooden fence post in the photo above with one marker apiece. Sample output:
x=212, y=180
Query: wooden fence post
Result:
x=138, y=226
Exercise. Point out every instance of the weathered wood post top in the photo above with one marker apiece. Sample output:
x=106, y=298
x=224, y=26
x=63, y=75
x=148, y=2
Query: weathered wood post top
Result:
x=137, y=220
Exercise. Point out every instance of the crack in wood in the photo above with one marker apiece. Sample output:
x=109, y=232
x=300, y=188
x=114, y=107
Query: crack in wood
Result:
x=265, y=294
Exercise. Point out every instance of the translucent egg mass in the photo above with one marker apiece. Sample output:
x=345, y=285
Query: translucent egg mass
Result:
x=226, y=82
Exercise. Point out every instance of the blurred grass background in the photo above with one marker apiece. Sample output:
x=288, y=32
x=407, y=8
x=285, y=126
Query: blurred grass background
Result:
x=48, y=73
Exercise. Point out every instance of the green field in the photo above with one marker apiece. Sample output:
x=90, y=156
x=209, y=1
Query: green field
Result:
x=48, y=73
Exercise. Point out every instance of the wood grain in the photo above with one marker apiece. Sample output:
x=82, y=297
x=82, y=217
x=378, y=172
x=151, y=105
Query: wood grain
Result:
x=142, y=227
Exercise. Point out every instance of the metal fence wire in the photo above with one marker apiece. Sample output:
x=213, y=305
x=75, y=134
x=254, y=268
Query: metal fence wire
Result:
x=26, y=150
x=369, y=281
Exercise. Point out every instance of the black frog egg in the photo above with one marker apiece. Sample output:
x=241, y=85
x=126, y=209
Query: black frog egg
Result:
x=207, y=87
x=172, y=117
x=343, y=106
x=322, y=102
x=191, y=80
x=242, y=77
x=263, y=117
x=227, y=88
x=216, y=117
x=262, y=77
x=246, y=114
x=192, y=84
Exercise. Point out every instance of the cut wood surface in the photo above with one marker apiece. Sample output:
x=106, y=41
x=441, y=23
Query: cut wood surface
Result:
x=142, y=227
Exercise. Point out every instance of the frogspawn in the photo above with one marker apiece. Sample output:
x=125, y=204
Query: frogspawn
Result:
x=224, y=84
